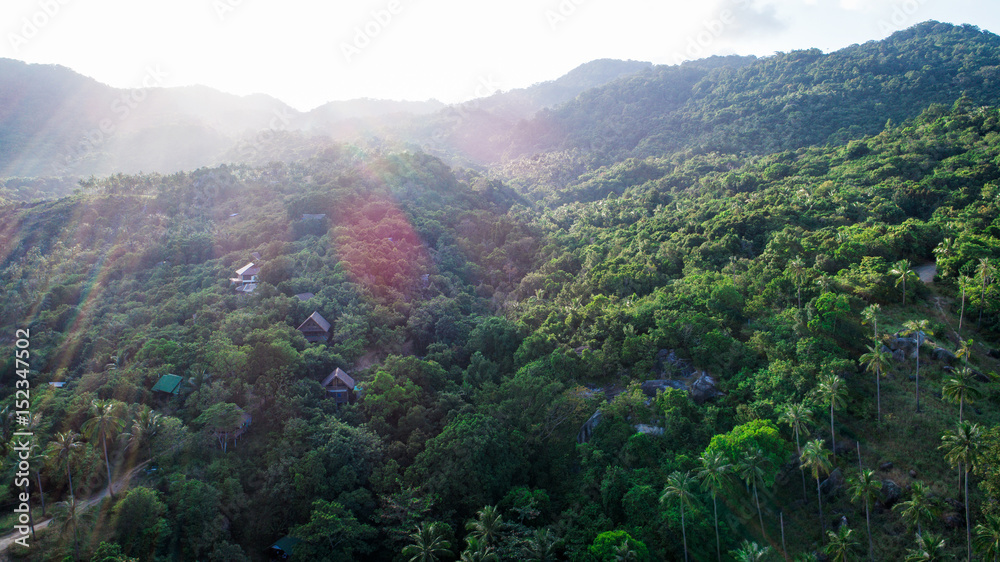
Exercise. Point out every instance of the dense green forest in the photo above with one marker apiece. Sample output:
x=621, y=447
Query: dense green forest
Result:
x=698, y=347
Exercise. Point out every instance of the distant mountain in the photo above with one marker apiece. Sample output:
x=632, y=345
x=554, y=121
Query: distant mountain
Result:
x=777, y=103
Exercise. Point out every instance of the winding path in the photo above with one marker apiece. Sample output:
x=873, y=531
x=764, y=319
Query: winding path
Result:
x=7, y=540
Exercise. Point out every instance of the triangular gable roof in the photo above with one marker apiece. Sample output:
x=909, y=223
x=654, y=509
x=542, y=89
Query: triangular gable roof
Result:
x=171, y=384
x=304, y=296
x=285, y=544
x=338, y=373
x=318, y=319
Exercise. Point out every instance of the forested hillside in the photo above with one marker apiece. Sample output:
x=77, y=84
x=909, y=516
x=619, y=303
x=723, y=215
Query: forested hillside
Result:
x=707, y=344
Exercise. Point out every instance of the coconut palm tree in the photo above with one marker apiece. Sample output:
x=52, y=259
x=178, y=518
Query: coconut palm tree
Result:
x=64, y=448
x=799, y=418
x=918, y=328
x=486, y=526
x=478, y=551
x=714, y=475
x=964, y=282
x=930, y=548
x=541, y=547
x=679, y=487
x=985, y=271
x=987, y=539
x=144, y=427
x=840, y=544
x=919, y=508
x=960, y=389
x=865, y=488
x=878, y=361
x=428, y=545
x=833, y=390
x=870, y=315
x=798, y=269
x=962, y=447
x=817, y=460
x=903, y=272
x=37, y=460
x=105, y=424
x=751, y=470
x=625, y=553
x=751, y=552
x=67, y=514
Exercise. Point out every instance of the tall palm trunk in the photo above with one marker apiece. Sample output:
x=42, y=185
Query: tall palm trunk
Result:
x=759, y=516
x=878, y=393
x=107, y=464
x=968, y=530
x=918, y=372
x=72, y=497
x=962, y=313
x=41, y=493
x=868, y=518
x=718, y=546
x=684, y=531
x=833, y=438
x=805, y=495
x=822, y=522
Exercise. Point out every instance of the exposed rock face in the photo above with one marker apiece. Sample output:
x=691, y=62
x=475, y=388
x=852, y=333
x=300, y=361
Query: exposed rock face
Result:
x=953, y=520
x=891, y=493
x=942, y=354
x=649, y=429
x=703, y=389
x=886, y=466
x=833, y=483
x=651, y=388
x=588, y=427
x=905, y=347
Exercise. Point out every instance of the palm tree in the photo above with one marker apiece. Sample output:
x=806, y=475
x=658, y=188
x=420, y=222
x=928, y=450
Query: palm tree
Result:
x=962, y=447
x=918, y=328
x=918, y=509
x=959, y=389
x=679, y=486
x=37, y=460
x=751, y=470
x=798, y=417
x=540, y=548
x=714, y=476
x=964, y=282
x=625, y=553
x=841, y=543
x=751, y=552
x=985, y=271
x=865, y=488
x=428, y=545
x=870, y=315
x=817, y=459
x=930, y=547
x=103, y=426
x=478, y=551
x=832, y=389
x=486, y=526
x=798, y=268
x=987, y=541
x=945, y=248
x=903, y=272
x=64, y=447
x=878, y=361
x=67, y=512
x=145, y=426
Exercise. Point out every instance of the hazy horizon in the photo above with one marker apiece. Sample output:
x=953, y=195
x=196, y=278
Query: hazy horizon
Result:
x=306, y=53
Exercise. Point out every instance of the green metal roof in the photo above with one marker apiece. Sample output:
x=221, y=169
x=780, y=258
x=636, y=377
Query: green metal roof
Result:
x=171, y=384
x=285, y=544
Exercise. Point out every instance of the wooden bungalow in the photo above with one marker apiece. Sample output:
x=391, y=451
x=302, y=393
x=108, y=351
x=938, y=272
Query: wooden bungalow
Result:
x=340, y=386
x=315, y=328
x=247, y=278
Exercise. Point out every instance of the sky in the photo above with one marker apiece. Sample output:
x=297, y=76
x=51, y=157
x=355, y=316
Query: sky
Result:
x=308, y=52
